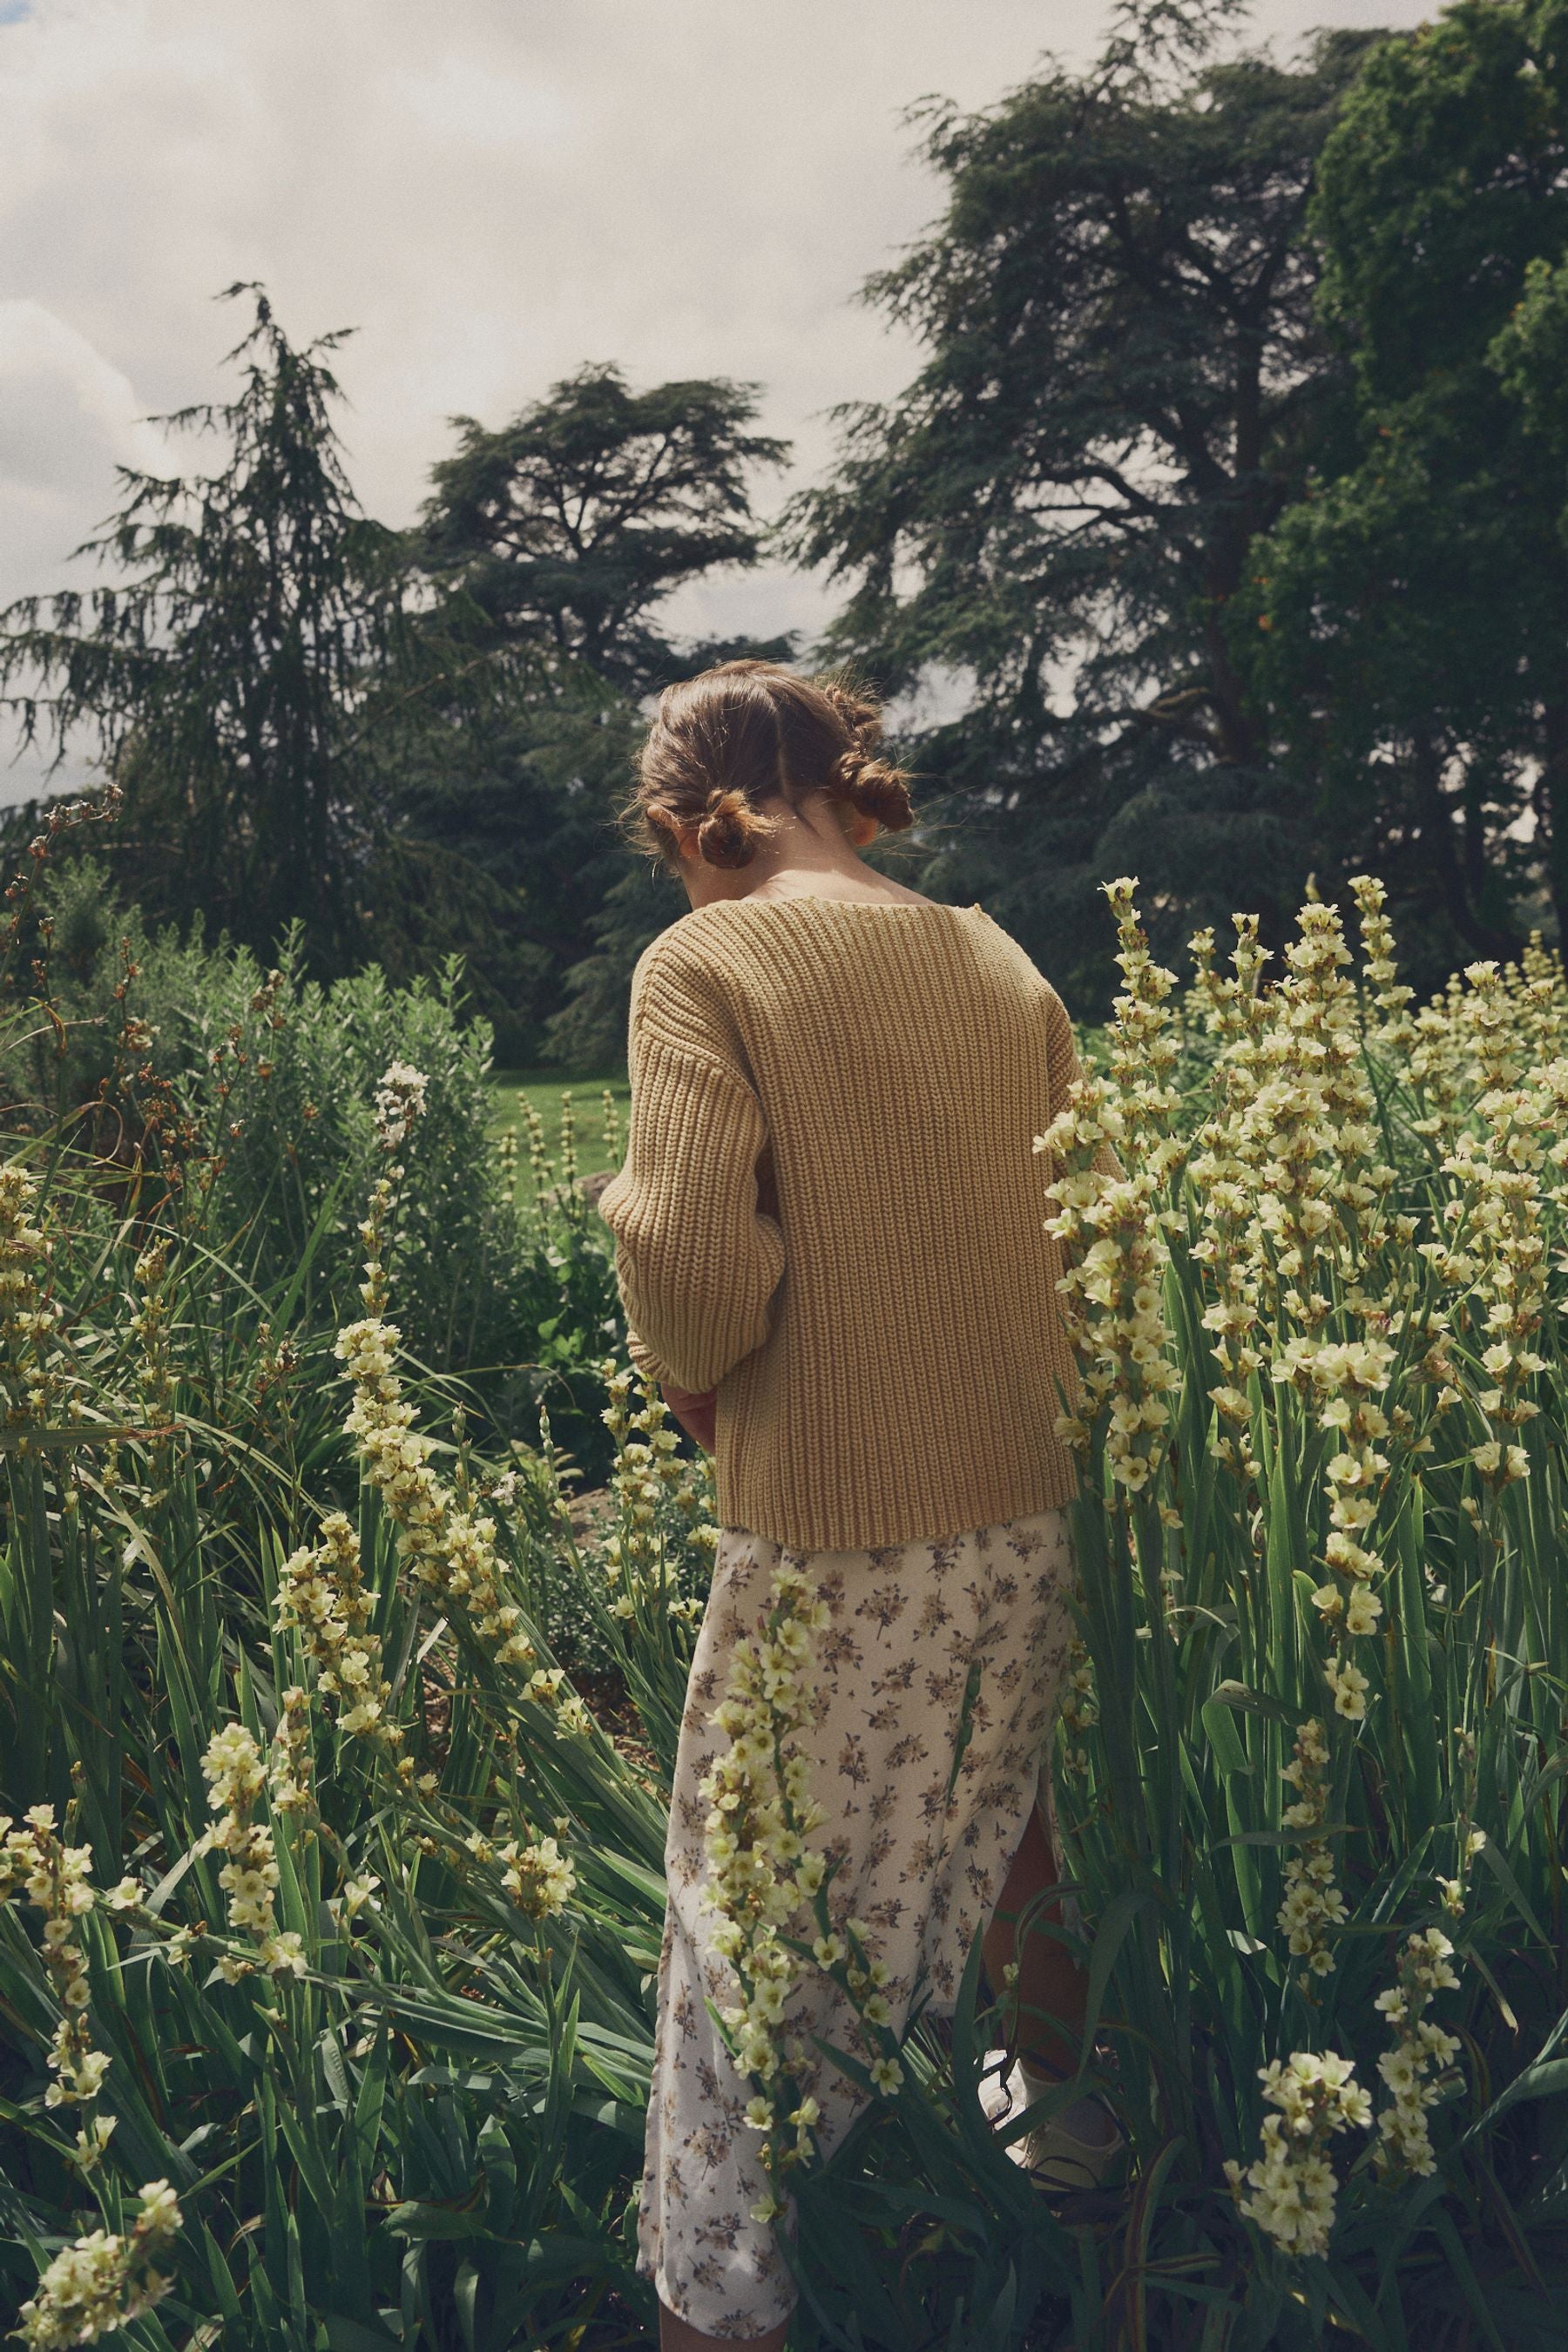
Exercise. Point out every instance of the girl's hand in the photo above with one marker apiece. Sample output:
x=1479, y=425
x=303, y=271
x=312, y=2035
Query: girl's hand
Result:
x=696, y=1411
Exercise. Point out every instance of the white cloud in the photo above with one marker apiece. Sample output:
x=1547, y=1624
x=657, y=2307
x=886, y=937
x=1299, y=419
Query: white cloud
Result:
x=491, y=192
x=68, y=417
x=64, y=412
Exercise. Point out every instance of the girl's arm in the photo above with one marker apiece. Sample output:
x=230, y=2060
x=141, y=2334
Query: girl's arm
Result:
x=698, y=1260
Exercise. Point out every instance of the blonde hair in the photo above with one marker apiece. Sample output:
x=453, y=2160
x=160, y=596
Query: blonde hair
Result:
x=723, y=743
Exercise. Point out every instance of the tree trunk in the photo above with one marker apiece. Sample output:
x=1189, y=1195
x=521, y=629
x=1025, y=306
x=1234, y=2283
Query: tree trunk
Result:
x=1437, y=824
x=1551, y=807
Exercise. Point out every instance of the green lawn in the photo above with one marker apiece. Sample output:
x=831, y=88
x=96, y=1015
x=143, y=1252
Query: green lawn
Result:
x=543, y=1090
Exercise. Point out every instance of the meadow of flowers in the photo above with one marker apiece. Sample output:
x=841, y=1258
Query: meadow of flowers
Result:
x=334, y=1745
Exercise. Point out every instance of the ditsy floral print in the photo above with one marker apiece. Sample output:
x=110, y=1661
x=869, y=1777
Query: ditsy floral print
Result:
x=937, y=1681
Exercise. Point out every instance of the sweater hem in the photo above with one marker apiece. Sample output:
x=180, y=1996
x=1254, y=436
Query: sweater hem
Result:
x=816, y=1535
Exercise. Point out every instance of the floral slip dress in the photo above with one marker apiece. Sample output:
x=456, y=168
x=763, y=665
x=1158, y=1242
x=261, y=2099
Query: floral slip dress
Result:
x=937, y=1676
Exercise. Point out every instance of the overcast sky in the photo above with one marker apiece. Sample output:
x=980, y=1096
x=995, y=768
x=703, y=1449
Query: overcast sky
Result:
x=490, y=192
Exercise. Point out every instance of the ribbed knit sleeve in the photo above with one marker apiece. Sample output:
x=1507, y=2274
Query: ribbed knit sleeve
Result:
x=697, y=1262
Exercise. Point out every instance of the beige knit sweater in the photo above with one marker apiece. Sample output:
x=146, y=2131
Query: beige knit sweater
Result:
x=831, y=1210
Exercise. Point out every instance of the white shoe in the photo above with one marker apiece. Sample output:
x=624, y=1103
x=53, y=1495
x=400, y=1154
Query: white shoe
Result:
x=1056, y=2157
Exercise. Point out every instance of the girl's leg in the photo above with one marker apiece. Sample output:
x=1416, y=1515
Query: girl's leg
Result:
x=676, y=2336
x=1050, y=1984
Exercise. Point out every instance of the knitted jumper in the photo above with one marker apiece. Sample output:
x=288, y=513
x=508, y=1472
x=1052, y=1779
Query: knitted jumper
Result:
x=831, y=1211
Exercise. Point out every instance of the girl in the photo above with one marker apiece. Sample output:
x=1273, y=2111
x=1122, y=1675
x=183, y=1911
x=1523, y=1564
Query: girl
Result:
x=829, y=1246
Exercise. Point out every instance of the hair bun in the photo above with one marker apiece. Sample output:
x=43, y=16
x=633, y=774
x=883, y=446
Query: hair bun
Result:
x=730, y=831
x=867, y=782
x=876, y=790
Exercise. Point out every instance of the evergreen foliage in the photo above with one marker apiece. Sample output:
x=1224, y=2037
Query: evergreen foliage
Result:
x=571, y=525
x=567, y=531
x=1407, y=619
x=1122, y=374
x=250, y=672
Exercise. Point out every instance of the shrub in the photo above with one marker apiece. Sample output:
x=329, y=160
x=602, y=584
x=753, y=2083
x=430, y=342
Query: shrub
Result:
x=272, y=1078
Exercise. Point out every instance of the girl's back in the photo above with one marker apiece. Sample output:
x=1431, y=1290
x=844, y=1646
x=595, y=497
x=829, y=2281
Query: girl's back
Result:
x=854, y=1254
